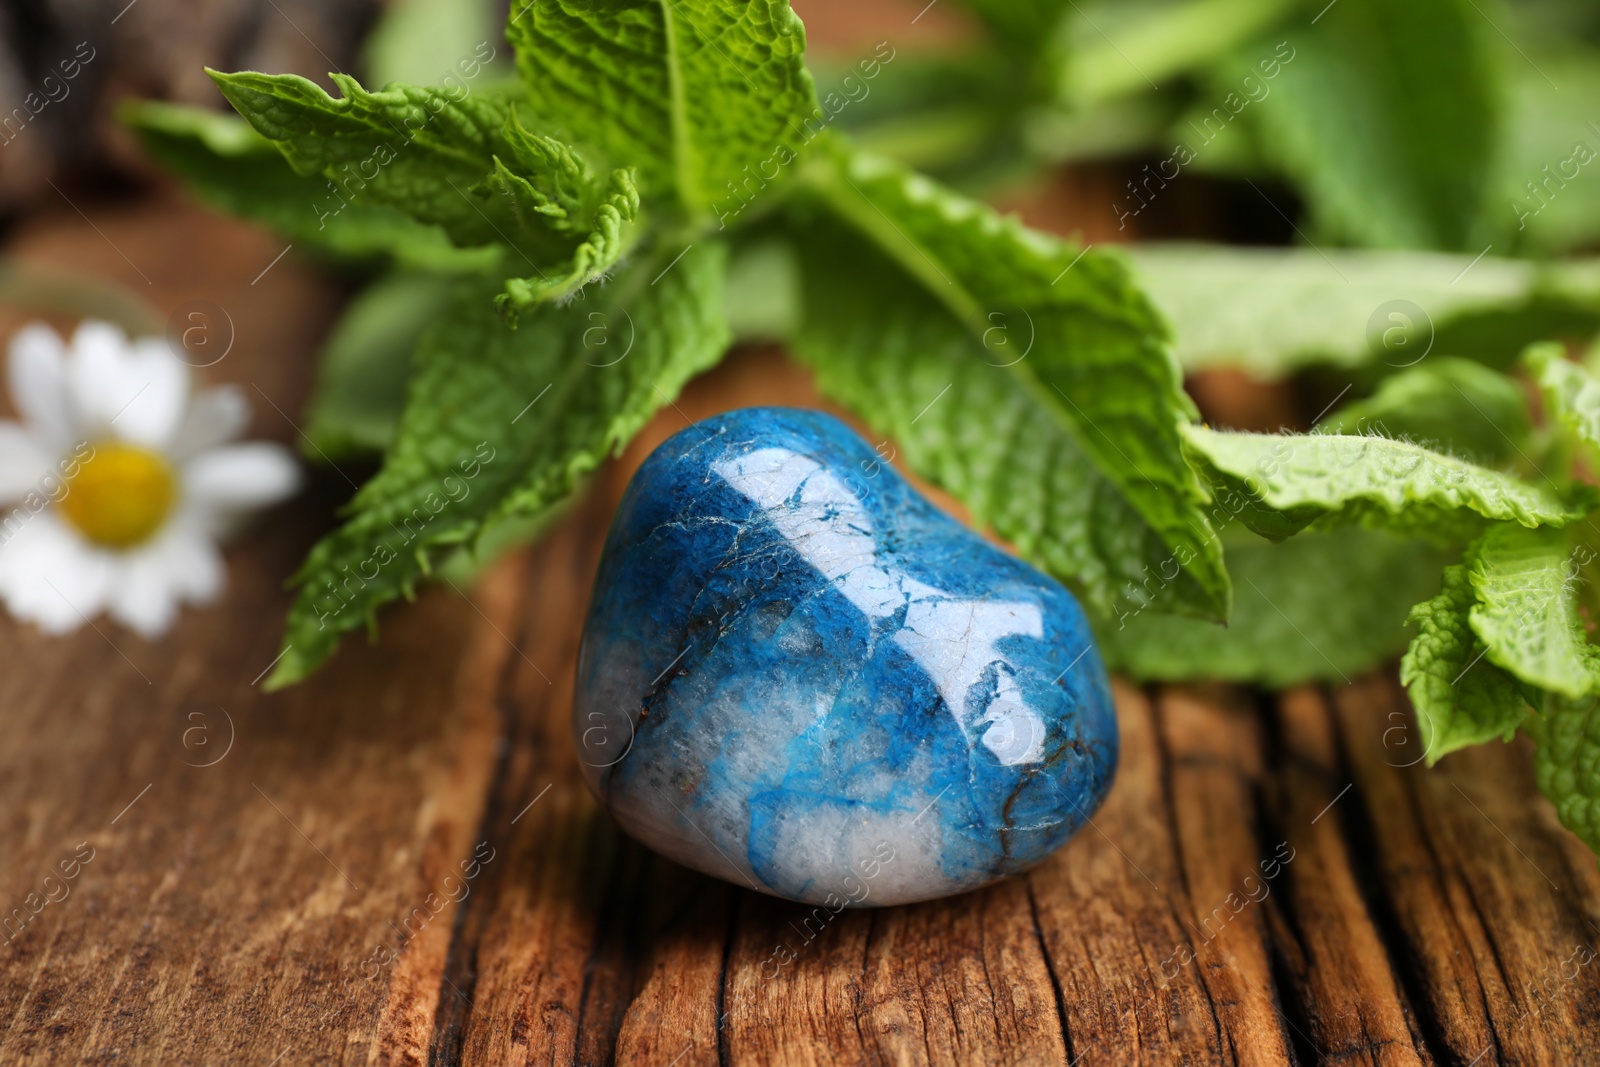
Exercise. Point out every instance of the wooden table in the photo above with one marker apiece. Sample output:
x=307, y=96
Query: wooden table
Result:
x=253, y=855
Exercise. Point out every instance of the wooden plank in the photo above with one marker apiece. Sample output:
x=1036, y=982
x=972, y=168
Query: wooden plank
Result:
x=1335, y=957
x=1112, y=912
x=1493, y=908
x=961, y=981
x=230, y=912
x=527, y=958
x=1214, y=751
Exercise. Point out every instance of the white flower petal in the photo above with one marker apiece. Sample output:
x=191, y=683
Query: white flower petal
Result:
x=242, y=477
x=23, y=463
x=134, y=392
x=215, y=417
x=180, y=565
x=194, y=566
x=154, y=417
x=37, y=379
x=143, y=599
x=201, y=575
x=95, y=383
x=51, y=576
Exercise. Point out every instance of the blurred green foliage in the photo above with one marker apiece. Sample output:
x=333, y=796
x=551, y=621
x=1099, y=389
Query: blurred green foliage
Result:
x=1430, y=124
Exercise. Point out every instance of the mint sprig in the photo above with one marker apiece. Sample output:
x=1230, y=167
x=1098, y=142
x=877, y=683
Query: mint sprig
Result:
x=1567, y=763
x=882, y=343
x=1461, y=697
x=1068, y=344
x=1525, y=610
x=237, y=170
x=708, y=100
x=503, y=424
x=1293, y=480
x=1446, y=404
x=564, y=244
x=1325, y=606
x=1571, y=393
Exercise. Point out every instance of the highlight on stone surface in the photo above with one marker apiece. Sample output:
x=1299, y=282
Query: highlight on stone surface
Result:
x=800, y=676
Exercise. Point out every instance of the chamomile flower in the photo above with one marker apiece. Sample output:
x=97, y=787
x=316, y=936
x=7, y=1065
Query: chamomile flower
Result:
x=117, y=483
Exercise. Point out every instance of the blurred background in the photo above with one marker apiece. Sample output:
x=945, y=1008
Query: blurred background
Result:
x=1460, y=126
x=991, y=91
x=64, y=65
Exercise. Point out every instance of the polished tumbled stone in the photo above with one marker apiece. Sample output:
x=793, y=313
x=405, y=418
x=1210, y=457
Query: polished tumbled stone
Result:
x=800, y=676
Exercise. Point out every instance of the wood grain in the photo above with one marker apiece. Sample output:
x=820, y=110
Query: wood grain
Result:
x=1273, y=879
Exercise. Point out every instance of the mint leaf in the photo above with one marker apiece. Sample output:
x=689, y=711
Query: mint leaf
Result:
x=237, y=170
x=366, y=363
x=1028, y=26
x=1548, y=183
x=608, y=239
x=430, y=42
x=708, y=100
x=1067, y=324
x=501, y=425
x=1567, y=763
x=1319, y=607
x=1292, y=480
x=456, y=159
x=763, y=290
x=1448, y=405
x=961, y=116
x=883, y=345
x=1571, y=394
x=419, y=149
x=1272, y=311
x=1461, y=698
x=1389, y=118
x=1116, y=48
x=1526, y=584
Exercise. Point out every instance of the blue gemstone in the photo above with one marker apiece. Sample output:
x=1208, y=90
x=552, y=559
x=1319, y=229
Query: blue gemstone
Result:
x=800, y=676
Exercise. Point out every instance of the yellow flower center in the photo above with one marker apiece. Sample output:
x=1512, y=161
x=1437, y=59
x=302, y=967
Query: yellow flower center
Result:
x=120, y=495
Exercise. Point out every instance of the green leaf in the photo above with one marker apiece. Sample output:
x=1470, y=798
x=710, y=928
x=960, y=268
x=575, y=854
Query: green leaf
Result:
x=883, y=345
x=419, y=149
x=606, y=243
x=960, y=116
x=366, y=363
x=1066, y=324
x=1389, y=118
x=708, y=100
x=430, y=42
x=1527, y=608
x=1461, y=699
x=1028, y=26
x=237, y=170
x=1120, y=47
x=1571, y=394
x=1288, y=481
x=1271, y=311
x=459, y=160
x=1549, y=178
x=502, y=425
x=1448, y=405
x=1567, y=763
x=763, y=290
x=1319, y=607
